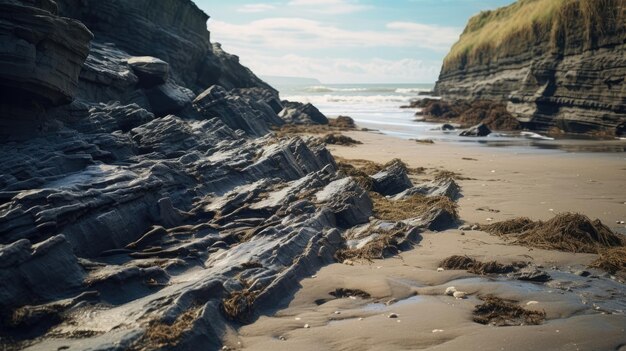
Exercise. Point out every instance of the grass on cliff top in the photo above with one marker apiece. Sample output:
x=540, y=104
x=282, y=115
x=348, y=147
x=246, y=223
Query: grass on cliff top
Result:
x=517, y=27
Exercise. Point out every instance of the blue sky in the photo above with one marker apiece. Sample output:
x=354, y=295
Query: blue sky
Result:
x=342, y=41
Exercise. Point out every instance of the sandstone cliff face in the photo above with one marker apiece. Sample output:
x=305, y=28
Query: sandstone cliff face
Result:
x=565, y=70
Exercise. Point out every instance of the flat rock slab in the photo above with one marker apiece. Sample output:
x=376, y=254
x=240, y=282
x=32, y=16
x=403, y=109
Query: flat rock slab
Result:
x=150, y=70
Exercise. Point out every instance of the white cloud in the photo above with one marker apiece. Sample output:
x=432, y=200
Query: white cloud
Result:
x=331, y=7
x=255, y=8
x=334, y=70
x=294, y=34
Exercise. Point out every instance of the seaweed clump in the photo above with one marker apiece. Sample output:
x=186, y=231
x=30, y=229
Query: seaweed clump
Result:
x=612, y=260
x=411, y=207
x=501, y=312
x=570, y=232
x=239, y=305
x=383, y=245
x=339, y=139
x=515, y=225
x=477, y=267
x=491, y=113
x=162, y=335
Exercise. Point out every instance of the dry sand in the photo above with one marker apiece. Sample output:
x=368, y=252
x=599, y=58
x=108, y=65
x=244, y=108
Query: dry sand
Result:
x=582, y=313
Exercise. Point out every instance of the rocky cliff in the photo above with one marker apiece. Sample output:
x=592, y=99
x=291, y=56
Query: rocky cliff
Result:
x=555, y=63
x=145, y=203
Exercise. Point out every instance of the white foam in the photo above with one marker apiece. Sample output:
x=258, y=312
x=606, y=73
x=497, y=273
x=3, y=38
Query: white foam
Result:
x=411, y=90
x=325, y=89
x=532, y=135
x=354, y=99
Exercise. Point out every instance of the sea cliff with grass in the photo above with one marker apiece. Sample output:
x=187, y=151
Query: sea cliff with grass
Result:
x=555, y=65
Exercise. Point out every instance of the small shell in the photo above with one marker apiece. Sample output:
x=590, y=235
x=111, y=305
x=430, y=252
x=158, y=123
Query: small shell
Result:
x=439, y=269
x=459, y=294
x=392, y=315
x=450, y=290
x=306, y=326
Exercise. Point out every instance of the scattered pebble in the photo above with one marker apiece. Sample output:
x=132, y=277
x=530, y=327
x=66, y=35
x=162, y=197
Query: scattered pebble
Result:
x=297, y=318
x=391, y=302
x=462, y=233
x=475, y=227
x=437, y=330
x=531, y=303
x=551, y=209
x=352, y=297
x=582, y=273
x=459, y=294
x=361, y=318
x=306, y=326
x=489, y=219
x=313, y=276
x=439, y=269
x=392, y=315
x=493, y=171
x=337, y=312
x=379, y=267
x=348, y=262
x=450, y=290
x=282, y=338
x=620, y=222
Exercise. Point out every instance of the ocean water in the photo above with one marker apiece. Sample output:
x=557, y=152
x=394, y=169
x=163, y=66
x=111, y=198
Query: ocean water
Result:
x=377, y=106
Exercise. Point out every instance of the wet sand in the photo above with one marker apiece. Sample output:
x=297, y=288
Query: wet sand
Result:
x=583, y=313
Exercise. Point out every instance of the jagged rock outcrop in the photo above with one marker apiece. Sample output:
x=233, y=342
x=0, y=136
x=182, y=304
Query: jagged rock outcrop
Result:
x=152, y=202
x=564, y=68
x=299, y=113
x=41, y=55
x=478, y=130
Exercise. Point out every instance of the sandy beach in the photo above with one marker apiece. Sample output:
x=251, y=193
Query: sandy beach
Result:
x=582, y=313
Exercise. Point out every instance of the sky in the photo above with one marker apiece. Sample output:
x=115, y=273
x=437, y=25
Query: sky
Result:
x=342, y=41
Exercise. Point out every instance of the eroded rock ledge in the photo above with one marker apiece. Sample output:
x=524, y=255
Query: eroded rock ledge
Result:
x=158, y=210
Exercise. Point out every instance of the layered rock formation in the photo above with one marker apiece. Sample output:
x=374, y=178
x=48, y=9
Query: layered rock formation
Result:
x=554, y=63
x=157, y=210
x=172, y=30
x=41, y=55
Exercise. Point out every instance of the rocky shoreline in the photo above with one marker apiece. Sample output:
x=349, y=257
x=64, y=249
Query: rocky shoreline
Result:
x=144, y=201
x=156, y=195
